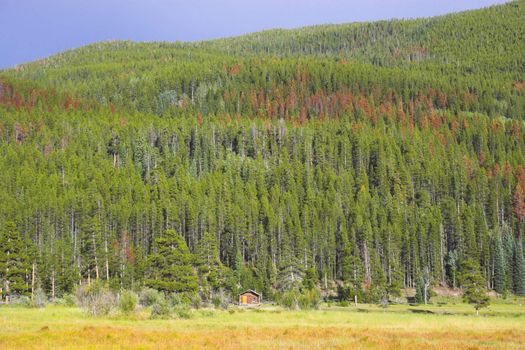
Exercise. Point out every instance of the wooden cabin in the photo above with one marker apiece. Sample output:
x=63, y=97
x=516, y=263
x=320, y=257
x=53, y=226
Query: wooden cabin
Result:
x=250, y=298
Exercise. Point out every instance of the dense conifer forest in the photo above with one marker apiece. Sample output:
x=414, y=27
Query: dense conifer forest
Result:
x=359, y=159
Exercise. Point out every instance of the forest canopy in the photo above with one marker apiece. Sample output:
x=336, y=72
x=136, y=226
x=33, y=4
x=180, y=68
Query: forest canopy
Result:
x=364, y=156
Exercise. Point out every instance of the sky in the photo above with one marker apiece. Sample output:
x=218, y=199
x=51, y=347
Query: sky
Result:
x=34, y=29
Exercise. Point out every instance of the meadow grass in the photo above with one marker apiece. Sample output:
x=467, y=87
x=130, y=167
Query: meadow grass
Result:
x=364, y=327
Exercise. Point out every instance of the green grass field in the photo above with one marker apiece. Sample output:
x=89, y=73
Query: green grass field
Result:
x=502, y=326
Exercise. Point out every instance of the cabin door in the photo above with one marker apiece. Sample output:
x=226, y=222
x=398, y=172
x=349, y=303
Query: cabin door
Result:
x=244, y=299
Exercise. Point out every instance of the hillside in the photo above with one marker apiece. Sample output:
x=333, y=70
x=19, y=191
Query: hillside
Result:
x=480, y=36
x=476, y=53
x=358, y=159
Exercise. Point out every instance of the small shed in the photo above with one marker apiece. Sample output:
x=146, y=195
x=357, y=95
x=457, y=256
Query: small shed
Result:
x=250, y=298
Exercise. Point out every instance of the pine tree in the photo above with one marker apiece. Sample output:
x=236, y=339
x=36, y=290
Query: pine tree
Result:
x=291, y=274
x=211, y=272
x=14, y=261
x=422, y=290
x=310, y=279
x=509, y=246
x=519, y=269
x=419, y=297
x=473, y=284
x=170, y=267
x=499, y=265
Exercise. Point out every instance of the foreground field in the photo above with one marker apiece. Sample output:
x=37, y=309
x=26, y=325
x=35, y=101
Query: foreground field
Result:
x=450, y=327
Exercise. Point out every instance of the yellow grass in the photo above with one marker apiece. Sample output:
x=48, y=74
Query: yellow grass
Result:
x=502, y=327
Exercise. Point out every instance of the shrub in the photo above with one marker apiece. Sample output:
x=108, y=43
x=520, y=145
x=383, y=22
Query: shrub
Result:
x=160, y=309
x=288, y=300
x=384, y=302
x=70, y=300
x=182, y=311
x=175, y=299
x=221, y=300
x=128, y=302
x=149, y=296
x=303, y=302
x=39, y=299
x=314, y=297
x=216, y=301
x=372, y=295
x=96, y=299
x=21, y=301
x=196, y=301
x=310, y=299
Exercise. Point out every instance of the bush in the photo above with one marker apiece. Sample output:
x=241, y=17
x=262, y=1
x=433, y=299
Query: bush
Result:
x=216, y=301
x=176, y=299
x=160, y=309
x=21, y=301
x=310, y=299
x=372, y=296
x=182, y=311
x=288, y=300
x=221, y=300
x=70, y=300
x=128, y=302
x=39, y=299
x=303, y=302
x=293, y=300
x=96, y=299
x=314, y=296
x=196, y=301
x=149, y=296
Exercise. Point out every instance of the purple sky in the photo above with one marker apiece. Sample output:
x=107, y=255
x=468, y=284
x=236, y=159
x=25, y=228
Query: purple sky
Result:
x=32, y=29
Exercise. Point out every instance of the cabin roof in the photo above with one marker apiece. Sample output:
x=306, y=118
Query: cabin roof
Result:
x=250, y=291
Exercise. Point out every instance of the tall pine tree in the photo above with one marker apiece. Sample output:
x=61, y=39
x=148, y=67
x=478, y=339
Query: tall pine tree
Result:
x=499, y=265
x=519, y=269
x=14, y=261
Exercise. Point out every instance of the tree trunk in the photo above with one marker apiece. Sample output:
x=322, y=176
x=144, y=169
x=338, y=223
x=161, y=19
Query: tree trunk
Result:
x=53, y=286
x=442, y=254
x=368, y=274
x=95, y=254
x=33, y=282
x=106, y=253
x=7, y=291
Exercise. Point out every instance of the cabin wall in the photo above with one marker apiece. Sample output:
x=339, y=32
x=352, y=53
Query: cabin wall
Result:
x=248, y=299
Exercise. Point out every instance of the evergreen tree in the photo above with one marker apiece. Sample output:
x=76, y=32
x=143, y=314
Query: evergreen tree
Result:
x=310, y=279
x=519, y=269
x=170, y=267
x=290, y=275
x=499, y=265
x=509, y=247
x=14, y=261
x=422, y=290
x=473, y=284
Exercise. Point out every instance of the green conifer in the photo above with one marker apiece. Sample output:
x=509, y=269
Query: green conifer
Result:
x=170, y=268
x=519, y=269
x=14, y=261
x=499, y=265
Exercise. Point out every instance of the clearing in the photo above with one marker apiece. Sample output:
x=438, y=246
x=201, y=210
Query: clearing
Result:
x=369, y=326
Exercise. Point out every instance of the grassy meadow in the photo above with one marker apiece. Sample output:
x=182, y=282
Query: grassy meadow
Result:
x=451, y=326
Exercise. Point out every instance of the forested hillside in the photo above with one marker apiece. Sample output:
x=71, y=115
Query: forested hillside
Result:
x=365, y=157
